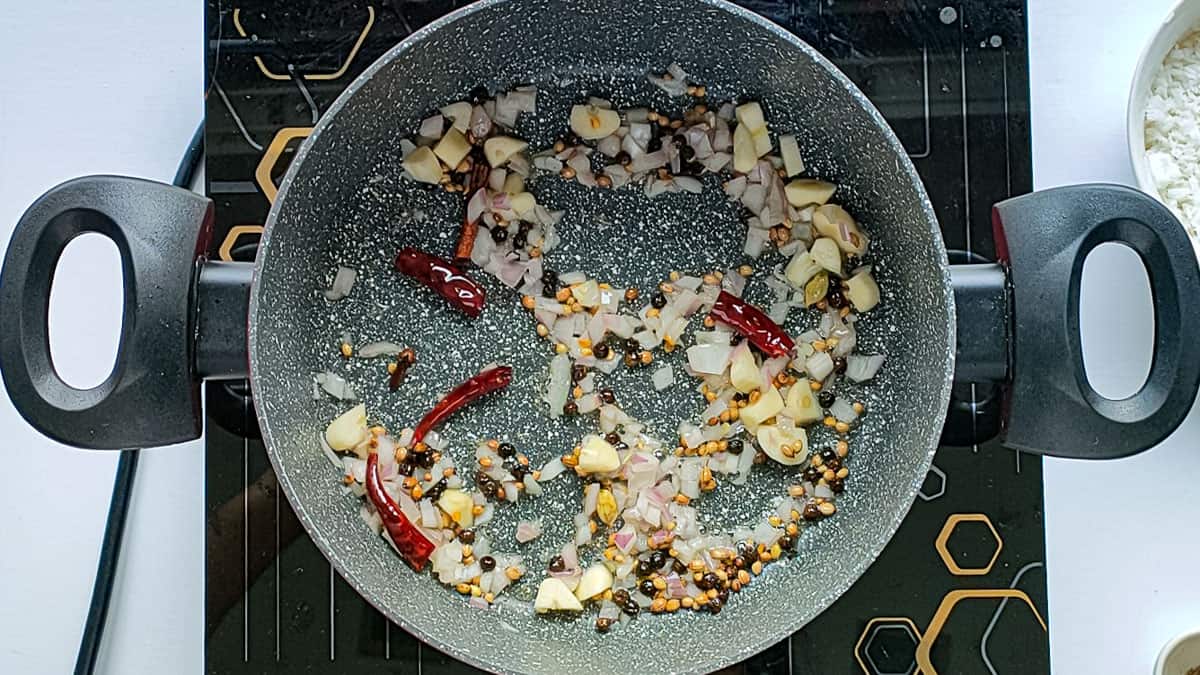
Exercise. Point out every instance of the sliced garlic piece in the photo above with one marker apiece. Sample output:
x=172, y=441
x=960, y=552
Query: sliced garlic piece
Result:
x=522, y=202
x=499, y=149
x=424, y=166
x=801, y=404
x=744, y=154
x=831, y=219
x=767, y=406
x=862, y=291
x=453, y=148
x=459, y=115
x=592, y=123
x=804, y=191
x=762, y=141
x=554, y=596
x=801, y=269
x=458, y=504
x=514, y=184
x=743, y=371
x=597, y=455
x=595, y=580
x=751, y=115
x=825, y=253
x=786, y=445
x=348, y=429
x=789, y=150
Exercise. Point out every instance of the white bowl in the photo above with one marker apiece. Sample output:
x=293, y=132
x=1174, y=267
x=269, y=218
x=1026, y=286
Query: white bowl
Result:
x=1181, y=656
x=1183, y=17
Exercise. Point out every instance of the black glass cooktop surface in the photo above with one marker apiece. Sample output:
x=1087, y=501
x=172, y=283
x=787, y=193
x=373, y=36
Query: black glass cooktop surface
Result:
x=964, y=574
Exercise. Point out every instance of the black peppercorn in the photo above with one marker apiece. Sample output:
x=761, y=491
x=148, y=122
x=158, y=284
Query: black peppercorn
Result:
x=647, y=588
x=658, y=300
x=853, y=262
x=735, y=339
x=632, y=347
x=578, y=372
x=467, y=536
x=839, y=365
x=524, y=227
x=825, y=399
x=557, y=564
x=631, y=607
x=603, y=624
x=499, y=234
x=620, y=596
x=478, y=94
x=645, y=568
x=834, y=464
x=519, y=241
x=838, y=485
x=678, y=567
x=714, y=605
x=623, y=158
x=612, y=438
x=600, y=351
x=835, y=297
x=607, y=396
x=487, y=563
x=735, y=446
x=506, y=450
x=570, y=408
x=710, y=580
x=550, y=278
x=811, y=511
x=658, y=559
x=686, y=153
x=654, y=144
x=812, y=474
x=786, y=542
x=828, y=455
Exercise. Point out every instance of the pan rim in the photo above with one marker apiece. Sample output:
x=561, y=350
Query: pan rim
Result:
x=766, y=638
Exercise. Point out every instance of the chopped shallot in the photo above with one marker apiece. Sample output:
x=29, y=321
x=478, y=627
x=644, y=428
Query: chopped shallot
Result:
x=343, y=281
x=373, y=350
x=335, y=386
x=527, y=531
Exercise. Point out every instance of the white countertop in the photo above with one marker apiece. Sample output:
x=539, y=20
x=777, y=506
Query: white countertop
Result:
x=98, y=93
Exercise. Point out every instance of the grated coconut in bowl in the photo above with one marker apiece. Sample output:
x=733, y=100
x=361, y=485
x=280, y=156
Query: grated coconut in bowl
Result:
x=1173, y=130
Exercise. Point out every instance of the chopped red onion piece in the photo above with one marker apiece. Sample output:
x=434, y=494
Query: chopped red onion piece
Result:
x=860, y=368
x=343, y=281
x=335, y=386
x=373, y=350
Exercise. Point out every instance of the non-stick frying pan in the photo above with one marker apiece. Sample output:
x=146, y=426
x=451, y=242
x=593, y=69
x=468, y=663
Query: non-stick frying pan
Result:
x=343, y=201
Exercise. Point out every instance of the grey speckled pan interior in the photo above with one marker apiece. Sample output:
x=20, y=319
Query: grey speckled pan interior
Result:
x=343, y=202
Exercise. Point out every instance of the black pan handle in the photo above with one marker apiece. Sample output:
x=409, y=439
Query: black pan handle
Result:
x=152, y=396
x=1043, y=239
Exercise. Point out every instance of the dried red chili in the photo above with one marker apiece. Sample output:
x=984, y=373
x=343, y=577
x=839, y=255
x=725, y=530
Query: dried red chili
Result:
x=484, y=383
x=412, y=544
x=466, y=240
x=750, y=321
x=444, y=278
